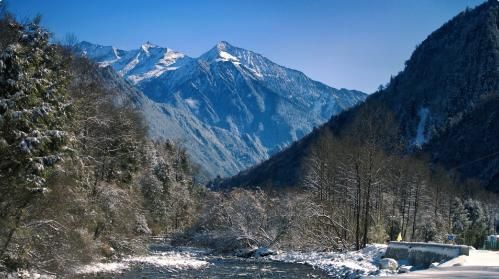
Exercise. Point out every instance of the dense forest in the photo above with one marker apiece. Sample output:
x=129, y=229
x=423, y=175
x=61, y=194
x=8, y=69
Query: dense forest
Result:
x=78, y=177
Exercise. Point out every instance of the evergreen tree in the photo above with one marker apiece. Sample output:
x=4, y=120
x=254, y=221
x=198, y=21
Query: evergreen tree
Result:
x=477, y=229
x=460, y=220
x=33, y=117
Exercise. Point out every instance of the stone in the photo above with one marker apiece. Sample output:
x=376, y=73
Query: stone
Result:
x=405, y=268
x=264, y=251
x=245, y=252
x=254, y=252
x=434, y=265
x=388, y=263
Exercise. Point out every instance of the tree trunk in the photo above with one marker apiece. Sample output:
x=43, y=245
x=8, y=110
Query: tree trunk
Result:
x=366, y=215
x=416, y=204
x=17, y=221
x=357, y=209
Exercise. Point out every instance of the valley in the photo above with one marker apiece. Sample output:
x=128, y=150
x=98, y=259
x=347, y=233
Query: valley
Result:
x=147, y=162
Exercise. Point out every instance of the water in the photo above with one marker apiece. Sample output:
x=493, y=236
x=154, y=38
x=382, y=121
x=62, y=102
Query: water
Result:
x=219, y=267
x=229, y=268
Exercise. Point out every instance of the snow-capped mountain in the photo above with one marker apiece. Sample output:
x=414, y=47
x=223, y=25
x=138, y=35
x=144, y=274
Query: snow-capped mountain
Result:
x=149, y=61
x=231, y=107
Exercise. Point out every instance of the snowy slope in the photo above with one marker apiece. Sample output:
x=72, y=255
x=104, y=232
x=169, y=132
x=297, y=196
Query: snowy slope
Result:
x=231, y=107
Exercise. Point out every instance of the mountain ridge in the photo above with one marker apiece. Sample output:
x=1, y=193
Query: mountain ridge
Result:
x=237, y=103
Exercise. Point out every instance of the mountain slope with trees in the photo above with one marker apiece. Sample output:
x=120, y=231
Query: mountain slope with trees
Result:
x=450, y=79
x=78, y=178
x=415, y=158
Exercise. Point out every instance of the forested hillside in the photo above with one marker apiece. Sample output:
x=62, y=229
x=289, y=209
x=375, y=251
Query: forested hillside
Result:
x=416, y=156
x=451, y=75
x=78, y=178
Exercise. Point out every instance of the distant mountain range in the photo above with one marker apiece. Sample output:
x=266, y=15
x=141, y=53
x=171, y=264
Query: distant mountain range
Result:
x=230, y=108
x=445, y=101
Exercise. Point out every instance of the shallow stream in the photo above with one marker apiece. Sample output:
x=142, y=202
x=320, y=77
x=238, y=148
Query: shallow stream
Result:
x=191, y=263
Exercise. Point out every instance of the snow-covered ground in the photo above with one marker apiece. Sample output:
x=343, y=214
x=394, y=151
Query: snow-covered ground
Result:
x=168, y=260
x=464, y=272
x=476, y=258
x=26, y=274
x=479, y=264
x=352, y=264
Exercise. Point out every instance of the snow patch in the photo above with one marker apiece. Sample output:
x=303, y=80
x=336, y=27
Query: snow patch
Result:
x=353, y=264
x=102, y=268
x=174, y=260
x=104, y=64
x=225, y=56
x=168, y=260
x=256, y=72
x=421, y=138
x=130, y=66
x=192, y=103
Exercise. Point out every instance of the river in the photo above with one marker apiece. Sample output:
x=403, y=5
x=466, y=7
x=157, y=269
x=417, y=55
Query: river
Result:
x=166, y=262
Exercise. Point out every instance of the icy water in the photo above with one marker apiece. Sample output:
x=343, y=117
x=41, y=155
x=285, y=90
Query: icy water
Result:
x=217, y=267
x=226, y=268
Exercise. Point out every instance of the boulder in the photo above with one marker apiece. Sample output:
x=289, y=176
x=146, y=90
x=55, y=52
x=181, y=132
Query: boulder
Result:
x=254, y=252
x=264, y=251
x=245, y=252
x=388, y=263
x=434, y=265
x=405, y=268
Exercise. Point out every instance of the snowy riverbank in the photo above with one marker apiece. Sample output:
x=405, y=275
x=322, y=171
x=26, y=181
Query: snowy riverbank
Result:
x=353, y=264
x=171, y=261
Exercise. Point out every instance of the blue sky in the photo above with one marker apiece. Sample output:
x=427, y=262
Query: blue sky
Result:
x=354, y=44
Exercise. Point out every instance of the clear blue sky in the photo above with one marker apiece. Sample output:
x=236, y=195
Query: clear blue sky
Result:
x=354, y=44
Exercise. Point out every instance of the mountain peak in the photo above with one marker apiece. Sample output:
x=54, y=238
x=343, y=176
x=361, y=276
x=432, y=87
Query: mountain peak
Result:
x=148, y=45
x=223, y=45
x=222, y=52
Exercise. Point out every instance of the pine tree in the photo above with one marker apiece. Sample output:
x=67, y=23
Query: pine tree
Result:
x=459, y=219
x=32, y=107
x=477, y=229
x=33, y=117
